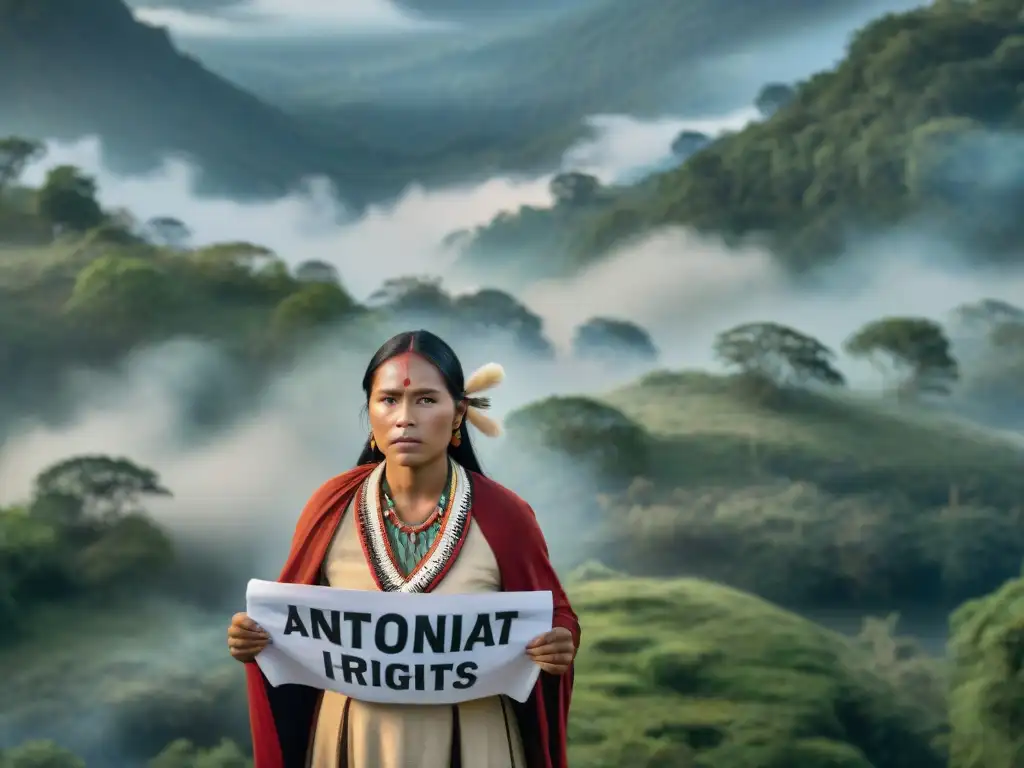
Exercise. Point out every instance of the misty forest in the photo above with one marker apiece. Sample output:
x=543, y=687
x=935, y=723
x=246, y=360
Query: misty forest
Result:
x=756, y=274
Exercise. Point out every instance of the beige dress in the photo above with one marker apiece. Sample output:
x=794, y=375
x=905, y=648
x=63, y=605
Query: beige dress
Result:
x=414, y=736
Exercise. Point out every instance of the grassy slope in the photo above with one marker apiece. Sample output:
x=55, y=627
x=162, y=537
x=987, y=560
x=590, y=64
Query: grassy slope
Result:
x=667, y=668
x=807, y=500
x=676, y=667
x=700, y=412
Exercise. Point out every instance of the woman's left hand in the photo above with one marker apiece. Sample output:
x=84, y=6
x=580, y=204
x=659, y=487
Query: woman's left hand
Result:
x=553, y=651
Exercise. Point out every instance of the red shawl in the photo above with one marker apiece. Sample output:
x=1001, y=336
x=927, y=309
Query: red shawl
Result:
x=282, y=717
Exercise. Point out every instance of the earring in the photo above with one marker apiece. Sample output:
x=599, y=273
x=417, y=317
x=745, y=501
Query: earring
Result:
x=457, y=437
x=373, y=443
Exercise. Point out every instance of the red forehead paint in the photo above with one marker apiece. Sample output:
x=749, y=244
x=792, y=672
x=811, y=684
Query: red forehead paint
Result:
x=403, y=362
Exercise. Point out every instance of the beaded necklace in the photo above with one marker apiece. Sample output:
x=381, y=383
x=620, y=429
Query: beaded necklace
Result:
x=412, y=532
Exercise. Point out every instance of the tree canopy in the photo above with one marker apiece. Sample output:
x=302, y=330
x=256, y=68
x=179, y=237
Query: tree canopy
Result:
x=778, y=354
x=67, y=199
x=614, y=339
x=913, y=350
x=920, y=123
x=84, y=531
x=15, y=155
x=100, y=485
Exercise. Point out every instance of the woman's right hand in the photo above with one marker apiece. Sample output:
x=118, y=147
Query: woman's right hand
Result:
x=246, y=638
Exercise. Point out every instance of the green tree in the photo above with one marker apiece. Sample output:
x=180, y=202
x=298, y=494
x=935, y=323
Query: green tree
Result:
x=316, y=271
x=128, y=294
x=605, y=337
x=914, y=349
x=987, y=688
x=33, y=564
x=689, y=142
x=67, y=199
x=412, y=295
x=587, y=431
x=983, y=317
x=777, y=354
x=234, y=255
x=168, y=231
x=313, y=306
x=773, y=97
x=129, y=550
x=904, y=662
x=102, y=487
x=15, y=155
x=496, y=311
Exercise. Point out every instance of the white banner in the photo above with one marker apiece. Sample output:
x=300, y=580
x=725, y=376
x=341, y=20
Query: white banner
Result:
x=399, y=648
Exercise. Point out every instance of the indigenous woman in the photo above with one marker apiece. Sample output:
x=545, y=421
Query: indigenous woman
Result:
x=417, y=515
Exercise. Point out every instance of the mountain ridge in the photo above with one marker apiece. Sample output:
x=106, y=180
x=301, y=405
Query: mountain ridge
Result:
x=101, y=72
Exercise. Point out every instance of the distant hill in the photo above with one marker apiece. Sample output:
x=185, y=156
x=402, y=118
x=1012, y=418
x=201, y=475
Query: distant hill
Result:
x=922, y=120
x=515, y=97
x=602, y=55
x=77, y=68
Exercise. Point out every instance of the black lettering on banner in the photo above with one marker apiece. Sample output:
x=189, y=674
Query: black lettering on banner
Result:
x=466, y=672
x=481, y=632
x=396, y=677
x=505, y=617
x=351, y=667
x=424, y=633
x=331, y=629
x=439, y=670
x=357, y=620
x=456, y=633
x=428, y=636
x=399, y=677
x=294, y=623
x=381, y=633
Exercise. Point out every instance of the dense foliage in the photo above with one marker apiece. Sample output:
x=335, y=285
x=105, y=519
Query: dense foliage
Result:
x=921, y=122
x=687, y=673
x=82, y=533
x=987, y=696
x=81, y=287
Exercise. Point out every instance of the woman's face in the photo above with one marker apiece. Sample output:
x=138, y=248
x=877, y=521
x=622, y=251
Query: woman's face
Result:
x=412, y=415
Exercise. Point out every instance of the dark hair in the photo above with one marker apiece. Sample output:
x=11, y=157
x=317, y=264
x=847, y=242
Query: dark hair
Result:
x=433, y=348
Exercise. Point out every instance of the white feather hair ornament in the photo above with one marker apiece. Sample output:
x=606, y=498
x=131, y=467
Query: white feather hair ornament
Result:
x=483, y=378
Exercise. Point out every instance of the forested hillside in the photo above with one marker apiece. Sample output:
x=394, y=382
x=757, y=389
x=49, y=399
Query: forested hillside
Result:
x=921, y=124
